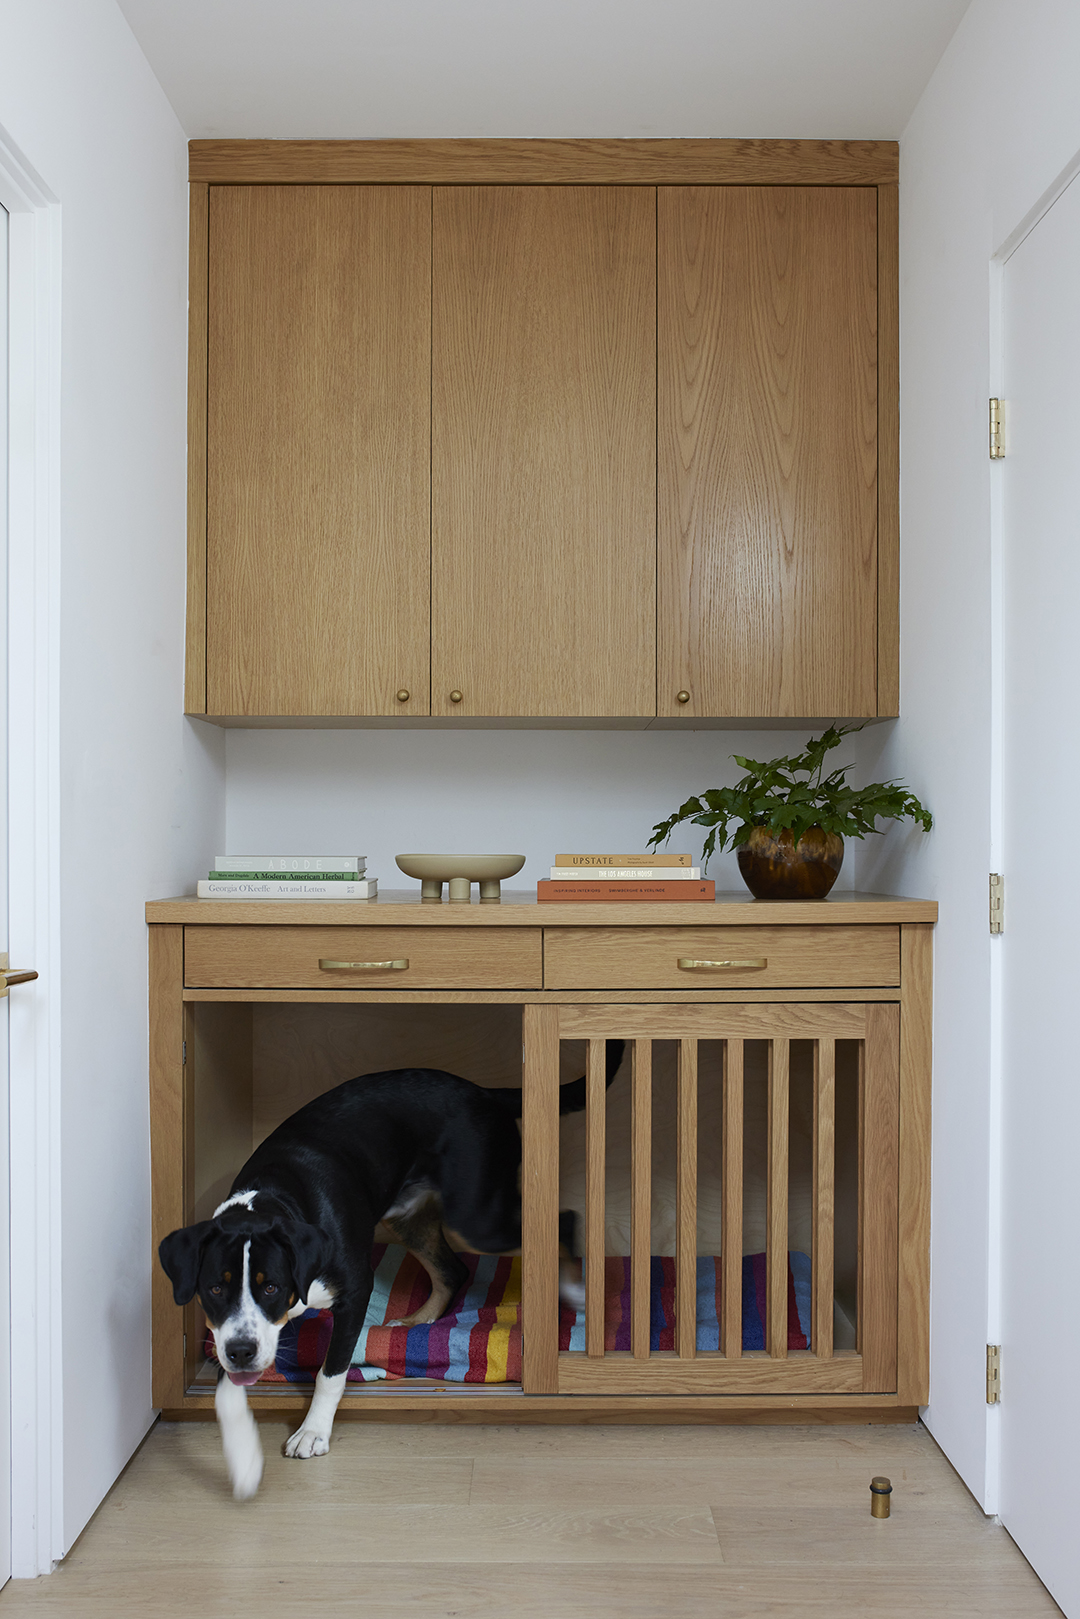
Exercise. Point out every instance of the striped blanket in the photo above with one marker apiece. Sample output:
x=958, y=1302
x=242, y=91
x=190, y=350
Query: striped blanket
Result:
x=479, y=1339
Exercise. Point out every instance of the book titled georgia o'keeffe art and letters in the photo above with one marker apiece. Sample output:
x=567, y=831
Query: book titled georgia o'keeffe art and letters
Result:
x=264, y=876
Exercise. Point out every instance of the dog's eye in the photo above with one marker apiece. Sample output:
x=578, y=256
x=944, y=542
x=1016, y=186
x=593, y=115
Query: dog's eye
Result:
x=270, y=1288
x=215, y=1290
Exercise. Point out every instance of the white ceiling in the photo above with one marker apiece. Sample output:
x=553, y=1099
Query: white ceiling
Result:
x=617, y=68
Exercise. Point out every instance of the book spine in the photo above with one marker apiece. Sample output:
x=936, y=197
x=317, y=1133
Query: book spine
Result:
x=624, y=874
x=226, y=889
x=283, y=877
x=578, y=892
x=297, y=865
x=587, y=862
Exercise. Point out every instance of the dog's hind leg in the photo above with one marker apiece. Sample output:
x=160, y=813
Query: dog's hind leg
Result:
x=418, y=1227
x=239, y=1438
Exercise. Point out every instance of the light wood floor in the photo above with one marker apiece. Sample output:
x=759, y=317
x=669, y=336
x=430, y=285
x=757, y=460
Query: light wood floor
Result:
x=543, y=1523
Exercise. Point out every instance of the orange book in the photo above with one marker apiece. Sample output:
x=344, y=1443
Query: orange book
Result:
x=579, y=890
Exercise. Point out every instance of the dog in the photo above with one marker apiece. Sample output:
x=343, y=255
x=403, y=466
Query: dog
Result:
x=416, y=1149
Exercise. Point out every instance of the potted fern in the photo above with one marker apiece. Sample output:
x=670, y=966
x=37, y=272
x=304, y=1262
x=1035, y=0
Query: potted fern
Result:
x=788, y=820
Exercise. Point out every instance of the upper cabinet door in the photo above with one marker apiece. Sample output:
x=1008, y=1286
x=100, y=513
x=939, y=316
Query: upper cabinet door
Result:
x=543, y=450
x=318, y=396
x=767, y=434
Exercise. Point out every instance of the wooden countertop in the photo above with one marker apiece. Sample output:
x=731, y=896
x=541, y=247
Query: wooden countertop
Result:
x=403, y=908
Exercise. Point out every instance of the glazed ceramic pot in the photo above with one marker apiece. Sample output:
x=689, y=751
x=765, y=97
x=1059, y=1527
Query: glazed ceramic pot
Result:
x=773, y=866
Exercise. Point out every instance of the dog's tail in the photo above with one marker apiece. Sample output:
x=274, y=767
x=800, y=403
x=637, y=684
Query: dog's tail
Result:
x=572, y=1096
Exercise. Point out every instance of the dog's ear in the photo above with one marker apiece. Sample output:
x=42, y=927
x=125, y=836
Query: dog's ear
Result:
x=181, y=1255
x=310, y=1251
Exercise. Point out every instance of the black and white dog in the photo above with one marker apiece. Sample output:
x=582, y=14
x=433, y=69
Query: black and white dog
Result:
x=414, y=1148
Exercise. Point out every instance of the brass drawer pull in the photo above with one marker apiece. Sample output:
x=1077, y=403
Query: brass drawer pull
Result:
x=688, y=963
x=363, y=966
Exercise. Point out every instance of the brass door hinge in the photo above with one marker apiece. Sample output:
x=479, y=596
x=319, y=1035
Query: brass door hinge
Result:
x=993, y=1374
x=997, y=430
x=997, y=902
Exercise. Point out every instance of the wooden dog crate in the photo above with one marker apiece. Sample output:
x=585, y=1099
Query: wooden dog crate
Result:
x=773, y=1097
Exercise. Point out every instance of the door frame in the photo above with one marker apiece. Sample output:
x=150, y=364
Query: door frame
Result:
x=34, y=888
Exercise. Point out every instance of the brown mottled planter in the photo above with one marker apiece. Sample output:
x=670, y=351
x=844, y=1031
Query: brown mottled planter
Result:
x=773, y=867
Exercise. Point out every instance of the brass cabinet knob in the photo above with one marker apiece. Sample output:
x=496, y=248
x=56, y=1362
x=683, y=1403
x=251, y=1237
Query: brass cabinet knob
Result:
x=403, y=695
x=682, y=696
x=455, y=697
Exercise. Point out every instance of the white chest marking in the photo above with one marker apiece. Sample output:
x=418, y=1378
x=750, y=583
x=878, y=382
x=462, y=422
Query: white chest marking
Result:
x=239, y=1200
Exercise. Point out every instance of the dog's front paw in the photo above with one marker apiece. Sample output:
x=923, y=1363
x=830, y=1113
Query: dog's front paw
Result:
x=244, y=1458
x=307, y=1442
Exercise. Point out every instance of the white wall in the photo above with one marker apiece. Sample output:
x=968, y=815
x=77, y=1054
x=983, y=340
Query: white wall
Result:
x=999, y=121
x=141, y=788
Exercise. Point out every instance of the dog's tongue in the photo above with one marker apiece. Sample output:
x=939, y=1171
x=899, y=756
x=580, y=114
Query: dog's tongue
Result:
x=244, y=1379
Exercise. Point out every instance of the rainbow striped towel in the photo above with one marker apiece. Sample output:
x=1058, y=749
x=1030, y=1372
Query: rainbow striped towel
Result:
x=479, y=1339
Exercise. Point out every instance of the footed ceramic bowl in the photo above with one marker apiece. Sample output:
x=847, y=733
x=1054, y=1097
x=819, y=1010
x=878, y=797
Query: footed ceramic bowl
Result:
x=460, y=871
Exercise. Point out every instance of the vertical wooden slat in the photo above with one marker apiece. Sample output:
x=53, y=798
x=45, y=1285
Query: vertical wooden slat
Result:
x=166, y=1151
x=913, y=1289
x=821, y=1340
x=198, y=277
x=860, y=1181
x=686, y=1202
x=776, y=1237
x=732, y=1171
x=878, y=1214
x=888, y=449
x=641, y=1197
x=595, y=1173
x=540, y=1200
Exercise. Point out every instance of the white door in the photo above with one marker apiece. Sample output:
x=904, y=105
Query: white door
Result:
x=1040, y=710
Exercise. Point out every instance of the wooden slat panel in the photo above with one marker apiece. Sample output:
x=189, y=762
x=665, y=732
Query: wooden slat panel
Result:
x=888, y=491
x=696, y=1021
x=824, y=1177
x=686, y=1202
x=595, y=1174
x=540, y=1201
x=621, y=1373
x=776, y=1220
x=648, y=957
x=166, y=1152
x=878, y=1216
x=913, y=1291
x=318, y=495
x=544, y=162
x=543, y=540
x=732, y=1191
x=198, y=274
x=641, y=1197
x=767, y=438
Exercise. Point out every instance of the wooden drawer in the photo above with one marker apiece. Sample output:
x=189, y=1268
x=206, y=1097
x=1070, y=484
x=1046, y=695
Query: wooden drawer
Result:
x=783, y=957
x=289, y=957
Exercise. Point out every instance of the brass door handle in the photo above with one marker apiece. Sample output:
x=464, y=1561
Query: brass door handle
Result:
x=688, y=963
x=13, y=975
x=363, y=966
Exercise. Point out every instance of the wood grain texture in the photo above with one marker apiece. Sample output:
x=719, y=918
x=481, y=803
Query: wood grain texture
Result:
x=776, y=1245
x=767, y=450
x=823, y=1199
x=648, y=957
x=540, y=1201
x=167, y=1156
x=595, y=1173
x=543, y=451
x=686, y=1201
x=732, y=1237
x=198, y=286
x=764, y=1021
x=544, y=162
x=641, y=1199
x=879, y=1191
x=765, y=1374
x=288, y=957
x=318, y=515
x=916, y=1063
x=888, y=439
x=379, y=1406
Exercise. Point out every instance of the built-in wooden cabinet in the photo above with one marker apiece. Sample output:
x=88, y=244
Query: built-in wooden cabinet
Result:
x=607, y=434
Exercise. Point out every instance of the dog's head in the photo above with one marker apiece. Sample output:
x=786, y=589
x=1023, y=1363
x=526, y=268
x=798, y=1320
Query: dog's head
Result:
x=248, y=1272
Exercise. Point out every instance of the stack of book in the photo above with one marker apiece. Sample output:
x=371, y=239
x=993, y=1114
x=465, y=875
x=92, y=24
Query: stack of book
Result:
x=634, y=878
x=280, y=876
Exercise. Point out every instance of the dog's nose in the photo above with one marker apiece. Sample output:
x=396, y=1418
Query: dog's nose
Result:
x=241, y=1351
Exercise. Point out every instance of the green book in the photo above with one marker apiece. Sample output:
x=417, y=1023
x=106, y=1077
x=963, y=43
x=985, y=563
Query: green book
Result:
x=286, y=876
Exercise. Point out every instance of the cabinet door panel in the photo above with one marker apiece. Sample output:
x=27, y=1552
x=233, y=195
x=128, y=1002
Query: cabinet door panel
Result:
x=767, y=433
x=318, y=547
x=543, y=450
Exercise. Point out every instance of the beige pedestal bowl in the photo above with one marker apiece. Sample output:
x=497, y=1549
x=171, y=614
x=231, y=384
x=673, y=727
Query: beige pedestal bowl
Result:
x=460, y=871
